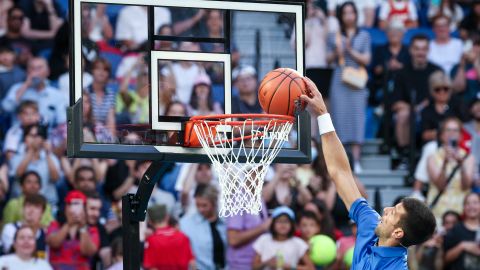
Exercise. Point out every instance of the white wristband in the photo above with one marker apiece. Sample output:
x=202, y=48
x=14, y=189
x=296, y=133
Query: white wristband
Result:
x=325, y=124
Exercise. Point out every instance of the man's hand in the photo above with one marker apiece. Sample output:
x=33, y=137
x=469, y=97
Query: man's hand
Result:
x=314, y=101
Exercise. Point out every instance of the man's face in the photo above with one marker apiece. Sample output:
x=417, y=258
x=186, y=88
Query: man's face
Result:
x=15, y=21
x=7, y=58
x=38, y=67
x=93, y=210
x=441, y=28
x=389, y=221
x=419, y=52
x=246, y=84
x=31, y=185
x=203, y=174
x=32, y=214
x=85, y=181
x=205, y=207
x=28, y=116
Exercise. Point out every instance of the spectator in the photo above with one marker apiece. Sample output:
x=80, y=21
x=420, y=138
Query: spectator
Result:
x=102, y=98
x=245, y=80
x=366, y=10
x=242, y=231
x=41, y=23
x=461, y=243
x=197, y=174
x=33, y=210
x=472, y=128
x=97, y=23
x=10, y=73
x=441, y=164
x=35, y=155
x=117, y=254
x=133, y=107
x=64, y=79
x=449, y=220
x=27, y=114
x=4, y=7
x=309, y=226
x=85, y=179
x=444, y=51
x=167, y=248
x=280, y=249
x=132, y=25
x=350, y=47
x=441, y=107
x=398, y=11
x=4, y=183
x=189, y=22
x=201, y=101
x=285, y=190
x=167, y=85
x=466, y=75
x=51, y=105
x=30, y=184
x=449, y=9
x=323, y=216
x=24, y=256
x=471, y=23
x=165, y=45
x=15, y=38
x=411, y=81
x=73, y=243
x=387, y=61
x=90, y=126
x=214, y=23
x=421, y=171
x=93, y=211
x=320, y=184
x=207, y=233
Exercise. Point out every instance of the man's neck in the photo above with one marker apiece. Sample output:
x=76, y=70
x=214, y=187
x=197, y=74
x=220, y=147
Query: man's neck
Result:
x=442, y=40
x=387, y=243
x=160, y=225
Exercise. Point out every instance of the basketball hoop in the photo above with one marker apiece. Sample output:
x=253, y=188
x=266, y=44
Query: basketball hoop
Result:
x=241, y=148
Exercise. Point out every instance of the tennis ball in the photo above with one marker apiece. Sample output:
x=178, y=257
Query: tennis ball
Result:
x=323, y=250
x=348, y=257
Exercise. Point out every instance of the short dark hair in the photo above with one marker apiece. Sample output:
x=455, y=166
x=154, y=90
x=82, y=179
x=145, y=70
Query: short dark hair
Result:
x=42, y=130
x=418, y=223
x=450, y=212
x=419, y=37
x=157, y=213
x=81, y=169
x=208, y=192
x=37, y=200
x=24, y=176
x=26, y=104
x=12, y=9
x=292, y=226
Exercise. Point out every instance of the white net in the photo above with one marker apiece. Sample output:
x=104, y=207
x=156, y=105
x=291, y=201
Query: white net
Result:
x=241, y=152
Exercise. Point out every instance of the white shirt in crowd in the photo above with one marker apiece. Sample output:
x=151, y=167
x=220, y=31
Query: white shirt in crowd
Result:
x=12, y=262
x=291, y=250
x=446, y=55
x=184, y=79
x=132, y=23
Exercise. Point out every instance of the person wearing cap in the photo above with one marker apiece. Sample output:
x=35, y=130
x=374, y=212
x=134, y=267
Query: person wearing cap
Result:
x=245, y=81
x=280, y=249
x=167, y=248
x=73, y=243
x=381, y=241
x=201, y=100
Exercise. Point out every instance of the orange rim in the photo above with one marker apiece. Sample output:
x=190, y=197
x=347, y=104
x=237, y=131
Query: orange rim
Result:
x=213, y=119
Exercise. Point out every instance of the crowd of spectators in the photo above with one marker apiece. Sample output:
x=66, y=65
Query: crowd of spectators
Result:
x=423, y=61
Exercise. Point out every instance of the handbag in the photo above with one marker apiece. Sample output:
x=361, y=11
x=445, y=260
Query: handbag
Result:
x=355, y=78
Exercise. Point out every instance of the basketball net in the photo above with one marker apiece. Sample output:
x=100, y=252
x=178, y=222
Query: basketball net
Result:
x=241, y=153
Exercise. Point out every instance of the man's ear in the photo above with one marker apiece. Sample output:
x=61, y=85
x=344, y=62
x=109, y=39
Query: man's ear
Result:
x=398, y=233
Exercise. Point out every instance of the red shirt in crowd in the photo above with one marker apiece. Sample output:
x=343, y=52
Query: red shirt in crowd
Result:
x=167, y=249
x=68, y=256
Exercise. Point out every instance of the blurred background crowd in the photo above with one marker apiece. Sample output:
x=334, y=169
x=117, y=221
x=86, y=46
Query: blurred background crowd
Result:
x=422, y=100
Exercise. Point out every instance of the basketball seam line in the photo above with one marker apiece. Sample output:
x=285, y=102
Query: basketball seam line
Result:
x=276, y=90
x=263, y=84
x=293, y=78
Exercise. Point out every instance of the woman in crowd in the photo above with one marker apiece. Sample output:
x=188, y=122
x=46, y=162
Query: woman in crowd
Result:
x=25, y=248
x=102, y=98
x=201, y=101
x=349, y=48
x=280, y=249
x=449, y=161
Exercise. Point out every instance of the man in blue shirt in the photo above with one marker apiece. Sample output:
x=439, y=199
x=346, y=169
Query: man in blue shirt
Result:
x=382, y=241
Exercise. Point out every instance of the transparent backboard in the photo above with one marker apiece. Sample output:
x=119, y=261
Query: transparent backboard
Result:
x=140, y=68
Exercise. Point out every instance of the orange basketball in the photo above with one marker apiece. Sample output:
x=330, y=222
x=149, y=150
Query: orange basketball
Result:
x=279, y=90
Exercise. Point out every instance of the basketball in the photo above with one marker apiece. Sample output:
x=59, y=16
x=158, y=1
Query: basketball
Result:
x=323, y=250
x=279, y=90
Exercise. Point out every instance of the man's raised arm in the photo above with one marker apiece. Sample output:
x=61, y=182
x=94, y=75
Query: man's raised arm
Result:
x=335, y=157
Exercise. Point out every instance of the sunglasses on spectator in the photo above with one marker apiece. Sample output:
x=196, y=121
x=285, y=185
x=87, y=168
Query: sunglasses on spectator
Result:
x=441, y=89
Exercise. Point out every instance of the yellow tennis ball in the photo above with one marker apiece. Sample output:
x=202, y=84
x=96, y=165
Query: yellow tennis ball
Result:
x=323, y=250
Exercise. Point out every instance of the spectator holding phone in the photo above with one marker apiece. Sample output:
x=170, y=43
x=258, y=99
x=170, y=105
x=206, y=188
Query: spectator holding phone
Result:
x=450, y=170
x=73, y=243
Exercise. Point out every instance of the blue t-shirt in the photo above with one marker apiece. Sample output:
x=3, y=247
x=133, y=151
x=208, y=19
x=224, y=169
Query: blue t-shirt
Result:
x=367, y=255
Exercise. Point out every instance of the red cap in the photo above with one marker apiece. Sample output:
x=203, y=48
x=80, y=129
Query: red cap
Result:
x=75, y=195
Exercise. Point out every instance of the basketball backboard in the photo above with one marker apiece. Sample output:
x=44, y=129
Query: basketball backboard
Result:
x=160, y=57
